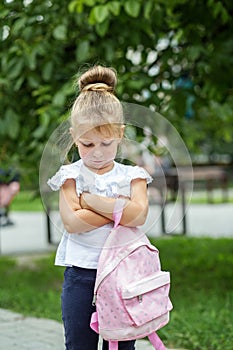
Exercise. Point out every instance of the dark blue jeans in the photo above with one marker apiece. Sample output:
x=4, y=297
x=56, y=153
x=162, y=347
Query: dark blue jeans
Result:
x=77, y=294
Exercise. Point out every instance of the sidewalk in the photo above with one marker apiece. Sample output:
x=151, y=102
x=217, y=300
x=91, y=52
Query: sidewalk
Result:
x=29, y=333
x=20, y=333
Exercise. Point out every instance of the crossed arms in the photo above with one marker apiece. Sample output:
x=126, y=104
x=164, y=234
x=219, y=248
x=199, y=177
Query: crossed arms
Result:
x=89, y=211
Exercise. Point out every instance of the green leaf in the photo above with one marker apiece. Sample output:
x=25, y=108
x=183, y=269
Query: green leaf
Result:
x=32, y=59
x=4, y=13
x=19, y=83
x=179, y=34
x=89, y=2
x=82, y=51
x=114, y=7
x=47, y=71
x=4, y=82
x=59, y=99
x=147, y=9
x=19, y=25
x=12, y=123
x=39, y=132
x=2, y=127
x=15, y=67
x=195, y=51
x=132, y=8
x=75, y=6
x=110, y=51
x=44, y=119
x=91, y=19
x=60, y=32
x=102, y=28
x=101, y=13
x=33, y=80
x=135, y=84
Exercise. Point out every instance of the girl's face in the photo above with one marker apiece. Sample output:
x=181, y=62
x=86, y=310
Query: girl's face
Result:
x=98, y=151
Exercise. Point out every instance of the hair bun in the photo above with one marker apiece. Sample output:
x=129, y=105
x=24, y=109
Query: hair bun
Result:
x=98, y=78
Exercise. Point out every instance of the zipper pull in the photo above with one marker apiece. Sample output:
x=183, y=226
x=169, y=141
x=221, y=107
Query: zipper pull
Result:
x=140, y=298
x=94, y=299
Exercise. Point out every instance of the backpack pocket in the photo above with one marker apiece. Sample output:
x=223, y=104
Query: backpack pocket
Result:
x=147, y=299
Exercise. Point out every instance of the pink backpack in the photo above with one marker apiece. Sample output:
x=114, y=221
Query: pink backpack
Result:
x=131, y=292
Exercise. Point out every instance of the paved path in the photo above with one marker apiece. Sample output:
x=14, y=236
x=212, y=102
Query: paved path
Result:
x=20, y=333
x=28, y=333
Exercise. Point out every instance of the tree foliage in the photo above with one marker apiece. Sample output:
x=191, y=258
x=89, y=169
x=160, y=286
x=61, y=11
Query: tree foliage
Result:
x=173, y=56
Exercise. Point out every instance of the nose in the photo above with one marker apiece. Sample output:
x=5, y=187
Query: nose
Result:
x=97, y=153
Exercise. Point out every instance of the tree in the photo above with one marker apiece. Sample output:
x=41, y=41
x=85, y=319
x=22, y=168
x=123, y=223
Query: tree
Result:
x=152, y=44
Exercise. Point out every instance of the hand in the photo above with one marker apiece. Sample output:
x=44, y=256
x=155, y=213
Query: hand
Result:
x=83, y=203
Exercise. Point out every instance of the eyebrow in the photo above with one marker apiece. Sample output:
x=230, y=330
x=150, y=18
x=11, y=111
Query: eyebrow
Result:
x=85, y=140
x=91, y=141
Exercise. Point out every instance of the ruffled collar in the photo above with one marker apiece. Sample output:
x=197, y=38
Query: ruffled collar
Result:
x=99, y=175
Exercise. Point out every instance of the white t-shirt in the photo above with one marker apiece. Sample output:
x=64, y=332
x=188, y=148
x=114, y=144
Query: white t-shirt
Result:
x=83, y=249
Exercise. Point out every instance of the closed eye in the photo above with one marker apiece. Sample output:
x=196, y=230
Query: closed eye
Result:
x=107, y=143
x=91, y=144
x=88, y=145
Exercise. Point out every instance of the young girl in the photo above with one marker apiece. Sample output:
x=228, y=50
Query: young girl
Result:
x=89, y=189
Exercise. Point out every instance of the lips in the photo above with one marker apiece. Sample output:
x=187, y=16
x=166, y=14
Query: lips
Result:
x=98, y=161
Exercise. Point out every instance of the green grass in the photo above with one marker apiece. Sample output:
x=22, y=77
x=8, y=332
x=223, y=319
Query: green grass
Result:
x=216, y=200
x=27, y=201
x=201, y=290
x=32, y=288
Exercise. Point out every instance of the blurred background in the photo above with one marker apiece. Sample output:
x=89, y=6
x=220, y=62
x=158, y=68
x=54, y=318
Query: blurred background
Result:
x=173, y=57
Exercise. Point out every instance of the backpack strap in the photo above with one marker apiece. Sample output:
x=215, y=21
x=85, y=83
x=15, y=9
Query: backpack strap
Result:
x=94, y=324
x=118, y=210
x=156, y=341
x=153, y=337
x=113, y=345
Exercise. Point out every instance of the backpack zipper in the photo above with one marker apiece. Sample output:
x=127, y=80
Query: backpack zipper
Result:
x=140, y=298
x=94, y=299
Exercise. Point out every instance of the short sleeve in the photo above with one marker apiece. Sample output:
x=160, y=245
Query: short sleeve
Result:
x=65, y=172
x=139, y=173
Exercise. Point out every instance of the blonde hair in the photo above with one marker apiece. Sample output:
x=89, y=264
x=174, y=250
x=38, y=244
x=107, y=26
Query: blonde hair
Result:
x=96, y=105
